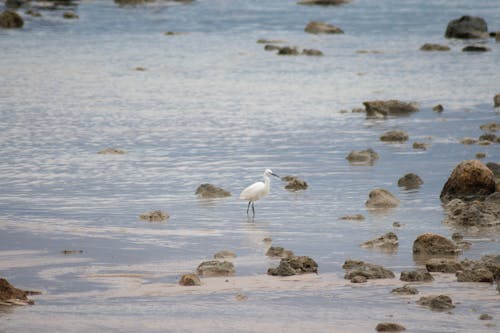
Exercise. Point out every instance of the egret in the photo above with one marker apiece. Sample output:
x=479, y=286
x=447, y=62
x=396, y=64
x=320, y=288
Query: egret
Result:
x=257, y=190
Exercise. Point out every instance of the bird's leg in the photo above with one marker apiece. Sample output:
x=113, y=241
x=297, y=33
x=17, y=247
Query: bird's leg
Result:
x=248, y=207
x=253, y=210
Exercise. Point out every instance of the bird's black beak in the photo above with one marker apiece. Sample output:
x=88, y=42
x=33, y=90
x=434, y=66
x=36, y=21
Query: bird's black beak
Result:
x=275, y=175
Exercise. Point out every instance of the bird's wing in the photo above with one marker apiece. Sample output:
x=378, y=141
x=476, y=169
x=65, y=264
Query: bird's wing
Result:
x=253, y=191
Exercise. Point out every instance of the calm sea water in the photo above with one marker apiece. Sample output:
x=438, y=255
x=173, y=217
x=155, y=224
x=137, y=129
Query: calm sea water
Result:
x=213, y=106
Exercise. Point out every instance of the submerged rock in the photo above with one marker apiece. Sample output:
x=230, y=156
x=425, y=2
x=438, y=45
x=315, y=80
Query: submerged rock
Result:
x=278, y=251
x=475, y=48
x=323, y=2
x=469, y=180
x=434, y=47
x=486, y=269
x=467, y=27
x=389, y=242
x=389, y=108
x=294, y=183
x=389, y=327
x=416, y=276
x=475, y=275
x=294, y=265
x=209, y=191
x=485, y=316
x=70, y=15
x=394, y=136
x=420, y=145
x=474, y=213
x=443, y=265
x=369, y=271
x=10, y=19
x=410, y=181
x=315, y=27
x=380, y=198
x=10, y=295
x=215, y=268
x=270, y=47
x=111, y=151
x=364, y=157
x=288, y=50
x=224, y=254
x=496, y=100
x=312, y=52
x=357, y=217
x=438, y=108
x=154, y=216
x=437, y=303
x=405, y=290
x=468, y=141
x=432, y=244
x=190, y=280
x=269, y=41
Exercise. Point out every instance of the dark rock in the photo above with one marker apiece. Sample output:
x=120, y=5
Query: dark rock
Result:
x=68, y=252
x=294, y=265
x=10, y=19
x=438, y=108
x=490, y=127
x=132, y=2
x=389, y=327
x=496, y=100
x=480, y=155
x=405, y=290
x=215, y=268
x=209, y=191
x=312, y=52
x=485, y=316
x=323, y=2
x=479, y=274
x=112, y=151
x=359, y=279
x=488, y=137
x=468, y=141
x=443, y=265
x=437, y=303
x=389, y=108
x=14, y=4
x=389, y=241
x=416, y=276
x=420, y=145
x=314, y=27
x=70, y=15
x=469, y=180
x=410, y=181
x=269, y=41
x=358, y=217
x=294, y=183
x=474, y=213
x=278, y=251
x=495, y=168
x=467, y=27
x=190, y=280
x=368, y=156
x=224, y=254
x=10, y=295
x=394, y=136
x=370, y=271
x=434, y=47
x=380, y=198
x=154, y=216
x=270, y=47
x=475, y=48
x=432, y=244
x=33, y=13
x=287, y=50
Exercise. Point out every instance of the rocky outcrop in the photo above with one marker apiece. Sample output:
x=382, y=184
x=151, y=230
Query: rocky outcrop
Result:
x=315, y=27
x=294, y=265
x=474, y=213
x=437, y=303
x=279, y=252
x=10, y=19
x=388, y=242
x=355, y=268
x=467, y=27
x=432, y=244
x=486, y=269
x=215, y=268
x=224, y=254
x=209, y=191
x=288, y=50
x=294, y=183
x=389, y=327
x=154, y=216
x=190, y=280
x=416, y=276
x=380, y=198
x=10, y=295
x=405, y=290
x=434, y=47
x=470, y=179
x=443, y=265
x=410, y=181
x=475, y=275
x=394, y=136
x=364, y=157
x=387, y=108
x=475, y=48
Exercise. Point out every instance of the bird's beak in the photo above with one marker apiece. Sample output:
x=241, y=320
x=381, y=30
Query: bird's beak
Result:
x=275, y=175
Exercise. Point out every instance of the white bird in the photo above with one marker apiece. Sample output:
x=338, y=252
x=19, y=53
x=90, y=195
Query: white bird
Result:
x=257, y=190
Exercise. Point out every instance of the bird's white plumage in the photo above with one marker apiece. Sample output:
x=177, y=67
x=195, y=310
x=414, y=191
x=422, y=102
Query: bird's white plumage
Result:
x=257, y=190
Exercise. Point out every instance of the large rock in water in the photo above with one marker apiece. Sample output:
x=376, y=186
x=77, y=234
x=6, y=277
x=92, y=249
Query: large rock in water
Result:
x=432, y=244
x=496, y=100
x=365, y=157
x=388, y=242
x=389, y=108
x=315, y=27
x=10, y=19
x=474, y=213
x=209, y=191
x=469, y=180
x=10, y=295
x=380, y=198
x=215, y=268
x=355, y=268
x=467, y=27
x=437, y=303
x=294, y=265
x=410, y=181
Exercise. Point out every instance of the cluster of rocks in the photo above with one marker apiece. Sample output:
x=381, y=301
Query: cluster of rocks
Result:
x=485, y=139
x=11, y=19
x=358, y=271
x=384, y=109
x=294, y=265
x=294, y=183
x=292, y=50
x=10, y=295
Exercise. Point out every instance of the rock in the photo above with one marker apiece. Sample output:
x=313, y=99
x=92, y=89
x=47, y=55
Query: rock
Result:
x=215, y=268
x=380, y=198
x=278, y=251
x=269, y=41
x=312, y=52
x=389, y=241
x=389, y=108
x=410, y=181
x=294, y=183
x=358, y=217
x=416, y=276
x=10, y=295
x=438, y=108
x=432, y=244
x=294, y=265
x=475, y=48
x=241, y=297
x=480, y=155
x=396, y=225
x=490, y=127
x=469, y=180
x=270, y=47
x=479, y=274
x=443, y=265
x=468, y=141
x=467, y=27
x=132, y=2
x=323, y=2
x=492, y=263
x=369, y=271
x=389, y=327
x=496, y=100
x=174, y=33
x=33, y=13
x=485, y=316
x=365, y=157
x=287, y=50
x=420, y=145
x=488, y=137
x=140, y=69
x=315, y=27
x=434, y=47
x=112, y=151
x=154, y=216
x=359, y=279
x=68, y=252
x=209, y=191
x=405, y=290
x=10, y=19
x=70, y=15
x=190, y=280
x=495, y=168
x=394, y=136
x=224, y=254
x=475, y=213
x=14, y=4
x=437, y=303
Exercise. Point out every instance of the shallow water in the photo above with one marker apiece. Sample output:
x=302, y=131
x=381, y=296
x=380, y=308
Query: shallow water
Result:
x=213, y=106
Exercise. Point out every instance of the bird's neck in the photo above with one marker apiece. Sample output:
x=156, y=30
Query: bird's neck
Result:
x=267, y=181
